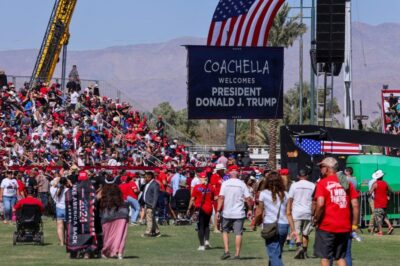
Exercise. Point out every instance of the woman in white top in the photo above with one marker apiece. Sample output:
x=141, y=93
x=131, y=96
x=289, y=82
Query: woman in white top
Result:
x=59, y=186
x=8, y=195
x=272, y=198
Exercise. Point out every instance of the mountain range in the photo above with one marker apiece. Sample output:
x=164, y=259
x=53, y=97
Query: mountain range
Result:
x=148, y=74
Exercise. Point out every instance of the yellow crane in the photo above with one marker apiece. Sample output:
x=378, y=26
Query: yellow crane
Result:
x=56, y=37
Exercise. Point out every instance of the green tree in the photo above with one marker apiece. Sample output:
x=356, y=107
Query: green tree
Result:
x=291, y=105
x=284, y=31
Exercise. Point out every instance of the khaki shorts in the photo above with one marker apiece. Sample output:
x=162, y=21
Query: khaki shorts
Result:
x=303, y=227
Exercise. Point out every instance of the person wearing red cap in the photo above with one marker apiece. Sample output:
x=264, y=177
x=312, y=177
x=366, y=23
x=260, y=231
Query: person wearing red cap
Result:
x=203, y=196
x=216, y=183
x=130, y=193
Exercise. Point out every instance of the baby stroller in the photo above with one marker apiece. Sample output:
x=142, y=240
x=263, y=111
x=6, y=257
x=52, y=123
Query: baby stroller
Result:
x=29, y=225
x=181, y=207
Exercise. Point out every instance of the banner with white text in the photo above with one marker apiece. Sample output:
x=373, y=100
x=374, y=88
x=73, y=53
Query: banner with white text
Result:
x=235, y=82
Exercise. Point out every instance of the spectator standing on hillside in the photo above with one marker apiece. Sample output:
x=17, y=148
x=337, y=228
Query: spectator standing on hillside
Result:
x=3, y=79
x=160, y=126
x=231, y=211
x=74, y=76
x=299, y=209
x=336, y=214
x=381, y=192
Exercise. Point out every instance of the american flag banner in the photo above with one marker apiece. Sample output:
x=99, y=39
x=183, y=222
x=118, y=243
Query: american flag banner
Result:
x=336, y=147
x=316, y=147
x=242, y=22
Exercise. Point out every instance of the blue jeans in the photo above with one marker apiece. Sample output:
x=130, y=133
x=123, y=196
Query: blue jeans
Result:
x=274, y=246
x=135, y=208
x=8, y=203
x=43, y=198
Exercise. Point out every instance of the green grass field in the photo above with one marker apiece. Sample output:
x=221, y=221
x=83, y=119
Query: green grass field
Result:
x=178, y=246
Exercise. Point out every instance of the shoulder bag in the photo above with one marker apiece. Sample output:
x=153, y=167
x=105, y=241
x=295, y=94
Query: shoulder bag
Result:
x=270, y=231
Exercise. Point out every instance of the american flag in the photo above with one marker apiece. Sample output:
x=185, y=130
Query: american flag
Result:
x=242, y=22
x=315, y=147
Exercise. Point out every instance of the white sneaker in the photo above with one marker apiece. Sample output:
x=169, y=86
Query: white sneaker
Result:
x=207, y=244
x=120, y=257
x=201, y=248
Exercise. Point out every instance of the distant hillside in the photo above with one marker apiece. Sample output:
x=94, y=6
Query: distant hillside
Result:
x=153, y=73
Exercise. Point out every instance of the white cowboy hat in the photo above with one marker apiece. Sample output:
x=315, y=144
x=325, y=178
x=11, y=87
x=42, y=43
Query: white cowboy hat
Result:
x=219, y=166
x=378, y=174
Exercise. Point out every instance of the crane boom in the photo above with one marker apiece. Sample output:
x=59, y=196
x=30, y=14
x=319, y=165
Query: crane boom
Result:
x=57, y=35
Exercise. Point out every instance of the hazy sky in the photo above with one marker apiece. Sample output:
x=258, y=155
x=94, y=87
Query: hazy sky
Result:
x=104, y=23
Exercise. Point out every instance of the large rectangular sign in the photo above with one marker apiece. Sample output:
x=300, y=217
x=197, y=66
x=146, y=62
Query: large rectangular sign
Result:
x=235, y=82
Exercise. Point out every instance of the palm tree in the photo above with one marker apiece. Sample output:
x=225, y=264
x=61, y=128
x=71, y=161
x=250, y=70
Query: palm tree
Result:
x=284, y=31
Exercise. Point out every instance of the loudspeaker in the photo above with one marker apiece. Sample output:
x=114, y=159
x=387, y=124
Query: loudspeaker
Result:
x=330, y=31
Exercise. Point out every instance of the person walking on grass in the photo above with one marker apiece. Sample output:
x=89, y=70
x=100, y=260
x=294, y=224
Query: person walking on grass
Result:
x=150, y=197
x=272, y=206
x=114, y=214
x=203, y=196
x=8, y=195
x=299, y=209
x=231, y=211
x=381, y=192
x=336, y=214
x=60, y=186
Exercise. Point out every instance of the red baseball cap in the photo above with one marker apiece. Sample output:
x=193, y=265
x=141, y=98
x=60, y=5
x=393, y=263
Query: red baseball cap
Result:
x=82, y=176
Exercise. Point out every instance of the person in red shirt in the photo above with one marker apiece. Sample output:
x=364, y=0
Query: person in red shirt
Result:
x=130, y=193
x=381, y=192
x=334, y=217
x=216, y=182
x=203, y=197
x=21, y=187
x=29, y=200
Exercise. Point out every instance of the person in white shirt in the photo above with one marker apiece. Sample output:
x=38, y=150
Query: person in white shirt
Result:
x=8, y=195
x=195, y=180
x=234, y=193
x=58, y=189
x=272, y=206
x=74, y=99
x=299, y=209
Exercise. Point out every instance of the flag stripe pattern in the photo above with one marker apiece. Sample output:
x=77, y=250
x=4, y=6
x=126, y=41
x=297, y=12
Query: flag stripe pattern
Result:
x=242, y=22
x=340, y=147
x=316, y=147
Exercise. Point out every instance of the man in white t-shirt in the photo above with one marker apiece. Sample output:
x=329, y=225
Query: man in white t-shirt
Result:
x=299, y=210
x=74, y=99
x=234, y=193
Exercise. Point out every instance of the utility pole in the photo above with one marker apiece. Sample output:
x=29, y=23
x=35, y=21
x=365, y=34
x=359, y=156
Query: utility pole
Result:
x=312, y=75
x=348, y=90
x=301, y=68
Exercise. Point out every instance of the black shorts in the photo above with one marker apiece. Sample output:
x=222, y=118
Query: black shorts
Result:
x=330, y=245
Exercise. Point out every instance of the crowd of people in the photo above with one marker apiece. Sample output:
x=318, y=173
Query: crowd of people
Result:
x=48, y=139
x=391, y=108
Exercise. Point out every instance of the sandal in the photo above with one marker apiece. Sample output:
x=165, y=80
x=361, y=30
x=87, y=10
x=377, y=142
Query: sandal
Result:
x=390, y=231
